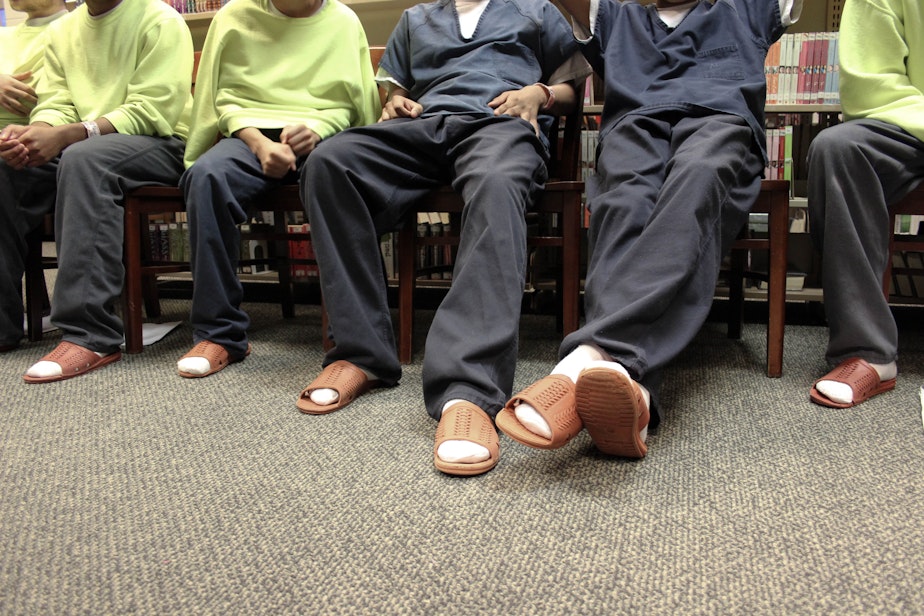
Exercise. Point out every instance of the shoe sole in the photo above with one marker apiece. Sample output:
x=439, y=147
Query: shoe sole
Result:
x=610, y=407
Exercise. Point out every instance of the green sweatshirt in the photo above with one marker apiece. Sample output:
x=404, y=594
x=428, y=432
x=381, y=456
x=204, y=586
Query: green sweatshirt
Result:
x=132, y=66
x=881, y=52
x=22, y=49
x=264, y=70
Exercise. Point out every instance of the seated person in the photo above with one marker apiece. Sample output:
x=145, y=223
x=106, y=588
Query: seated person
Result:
x=101, y=128
x=679, y=165
x=314, y=79
x=474, y=86
x=856, y=171
x=22, y=52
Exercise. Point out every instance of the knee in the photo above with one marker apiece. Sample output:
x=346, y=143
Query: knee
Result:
x=330, y=160
x=81, y=159
x=834, y=146
x=205, y=174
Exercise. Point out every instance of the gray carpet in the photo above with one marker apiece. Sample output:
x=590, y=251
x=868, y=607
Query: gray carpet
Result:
x=132, y=490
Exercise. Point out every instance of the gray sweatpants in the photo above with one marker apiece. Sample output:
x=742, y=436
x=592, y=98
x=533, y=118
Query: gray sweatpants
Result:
x=86, y=187
x=856, y=170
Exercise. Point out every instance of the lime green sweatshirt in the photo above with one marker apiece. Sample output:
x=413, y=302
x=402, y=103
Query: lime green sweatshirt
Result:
x=881, y=52
x=264, y=70
x=22, y=49
x=132, y=65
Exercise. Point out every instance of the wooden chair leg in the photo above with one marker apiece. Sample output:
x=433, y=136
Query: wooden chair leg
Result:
x=150, y=296
x=35, y=312
x=571, y=266
x=736, y=294
x=776, y=295
x=283, y=267
x=132, y=294
x=36, y=289
x=406, y=280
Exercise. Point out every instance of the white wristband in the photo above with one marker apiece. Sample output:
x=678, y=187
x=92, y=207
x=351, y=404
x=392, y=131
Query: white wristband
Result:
x=92, y=129
x=549, y=95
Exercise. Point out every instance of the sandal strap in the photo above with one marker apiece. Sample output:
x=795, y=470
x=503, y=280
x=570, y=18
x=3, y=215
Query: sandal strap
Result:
x=464, y=421
x=553, y=398
x=214, y=353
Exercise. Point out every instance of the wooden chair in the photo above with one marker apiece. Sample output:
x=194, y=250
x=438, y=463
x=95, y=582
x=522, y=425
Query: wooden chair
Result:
x=36, y=291
x=773, y=200
x=561, y=200
x=141, y=273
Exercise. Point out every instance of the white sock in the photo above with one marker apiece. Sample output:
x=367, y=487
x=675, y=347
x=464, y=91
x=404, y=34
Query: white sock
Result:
x=194, y=365
x=461, y=452
x=570, y=367
x=841, y=392
x=325, y=396
x=44, y=369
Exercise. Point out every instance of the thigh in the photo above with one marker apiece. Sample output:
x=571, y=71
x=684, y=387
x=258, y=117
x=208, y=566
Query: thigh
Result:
x=634, y=153
x=495, y=151
x=130, y=161
x=714, y=145
x=896, y=156
x=386, y=166
x=228, y=172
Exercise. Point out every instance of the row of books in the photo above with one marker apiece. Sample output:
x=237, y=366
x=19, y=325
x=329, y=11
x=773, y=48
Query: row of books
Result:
x=196, y=6
x=434, y=261
x=907, y=274
x=803, y=68
x=779, y=153
x=169, y=243
x=788, y=138
x=590, y=137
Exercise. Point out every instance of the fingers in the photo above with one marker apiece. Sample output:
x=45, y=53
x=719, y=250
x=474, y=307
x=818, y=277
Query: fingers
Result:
x=401, y=107
x=18, y=105
x=16, y=157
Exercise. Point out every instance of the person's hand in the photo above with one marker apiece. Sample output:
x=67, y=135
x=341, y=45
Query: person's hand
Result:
x=15, y=96
x=523, y=103
x=12, y=151
x=32, y=145
x=43, y=143
x=300, y=138
x=400, y=107
x=277, y=159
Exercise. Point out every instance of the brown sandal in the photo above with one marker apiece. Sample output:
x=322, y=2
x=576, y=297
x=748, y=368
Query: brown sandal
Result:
x=343, y=377
x=463, y=421
x=74, y=361
x=217, y=356
x=860, y=376
x=613, y=410
x=553, y=399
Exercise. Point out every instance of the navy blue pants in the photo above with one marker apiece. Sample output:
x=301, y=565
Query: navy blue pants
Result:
x=218, y=189
x=670, y=194
x=360, y=183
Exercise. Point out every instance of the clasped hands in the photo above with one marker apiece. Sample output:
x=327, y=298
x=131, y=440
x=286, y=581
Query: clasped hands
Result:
x=30, y=146
x=278, y=158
